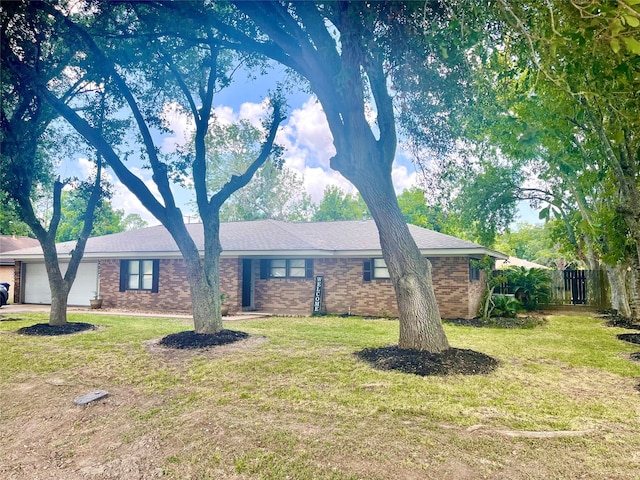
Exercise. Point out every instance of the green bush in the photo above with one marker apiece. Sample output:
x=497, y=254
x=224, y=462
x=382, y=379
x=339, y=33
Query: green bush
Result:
x=530, y=286
x=505, y=306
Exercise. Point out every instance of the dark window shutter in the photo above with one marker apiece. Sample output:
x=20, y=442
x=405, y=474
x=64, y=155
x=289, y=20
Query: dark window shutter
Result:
x=155, y=282
x=265, y=267
x=124, y=274
x=308, y=267
x=366, y=270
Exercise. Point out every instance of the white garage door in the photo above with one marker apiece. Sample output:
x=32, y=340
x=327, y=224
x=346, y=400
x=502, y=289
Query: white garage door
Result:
x=36, y=283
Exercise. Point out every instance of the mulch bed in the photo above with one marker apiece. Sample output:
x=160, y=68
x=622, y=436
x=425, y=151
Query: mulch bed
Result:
x=191, y=339
x=450, y=362
x=614, y=320
x=629, y=337
x=46, y=330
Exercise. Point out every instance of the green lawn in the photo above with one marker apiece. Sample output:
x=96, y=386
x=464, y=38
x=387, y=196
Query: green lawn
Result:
x=294, y=403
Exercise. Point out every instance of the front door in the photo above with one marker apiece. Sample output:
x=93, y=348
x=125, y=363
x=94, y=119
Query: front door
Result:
x=247, y=284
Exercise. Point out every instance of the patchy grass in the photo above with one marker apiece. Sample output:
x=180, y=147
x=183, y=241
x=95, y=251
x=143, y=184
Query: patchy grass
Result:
x=301, y=404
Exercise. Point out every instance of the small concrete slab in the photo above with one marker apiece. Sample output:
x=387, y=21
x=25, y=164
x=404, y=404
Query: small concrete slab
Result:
x=91, y=397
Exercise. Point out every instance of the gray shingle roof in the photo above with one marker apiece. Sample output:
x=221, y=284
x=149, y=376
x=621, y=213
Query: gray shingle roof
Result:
x=9, y=243
x=265, y=237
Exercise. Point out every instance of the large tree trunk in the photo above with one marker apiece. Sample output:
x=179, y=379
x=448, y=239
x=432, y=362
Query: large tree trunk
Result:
x=635, y=288
x=203, y=285
x=419, y=317
x=619, y=296
x=207, y=317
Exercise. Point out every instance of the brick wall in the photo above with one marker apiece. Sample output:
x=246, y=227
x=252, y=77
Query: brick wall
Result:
x=173, y=288
x=17, y=282
x=346, y=292
x=344, y=289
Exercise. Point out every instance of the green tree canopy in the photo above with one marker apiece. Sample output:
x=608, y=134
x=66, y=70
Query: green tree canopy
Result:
x=336, y=204
x=107, y=219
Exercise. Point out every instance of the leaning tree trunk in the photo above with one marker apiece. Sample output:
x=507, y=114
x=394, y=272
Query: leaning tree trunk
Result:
x=419, y=317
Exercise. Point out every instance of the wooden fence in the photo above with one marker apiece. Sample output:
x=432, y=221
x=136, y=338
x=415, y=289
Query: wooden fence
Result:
x=580, y=287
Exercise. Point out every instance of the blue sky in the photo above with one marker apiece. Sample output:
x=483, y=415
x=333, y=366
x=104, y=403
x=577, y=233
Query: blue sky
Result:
x=304, y=134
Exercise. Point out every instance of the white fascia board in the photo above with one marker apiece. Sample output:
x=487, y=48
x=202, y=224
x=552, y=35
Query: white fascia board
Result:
x=276, y=253
x=438, y=252
x=457, y=252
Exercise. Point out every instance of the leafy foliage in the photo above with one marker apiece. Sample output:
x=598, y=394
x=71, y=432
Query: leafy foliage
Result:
x=416, y=211
x=274, y=192
x=107, y=219
x=336, y=204
x=530, y=286
x=505, y=306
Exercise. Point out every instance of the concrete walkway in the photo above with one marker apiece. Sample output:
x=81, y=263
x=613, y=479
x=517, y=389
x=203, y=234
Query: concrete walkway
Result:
x=33, y=308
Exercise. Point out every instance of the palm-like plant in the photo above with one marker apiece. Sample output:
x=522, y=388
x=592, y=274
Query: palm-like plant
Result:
x=531, y=286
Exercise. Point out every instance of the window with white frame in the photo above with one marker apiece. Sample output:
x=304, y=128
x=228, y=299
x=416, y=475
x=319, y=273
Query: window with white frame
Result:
x=286, y=268
x=374, y=268
x=380, y=269
x=139, y=275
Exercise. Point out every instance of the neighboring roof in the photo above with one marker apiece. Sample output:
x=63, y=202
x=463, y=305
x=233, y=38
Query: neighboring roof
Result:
x=518, y=262
x=9, y=243
x=268, y=238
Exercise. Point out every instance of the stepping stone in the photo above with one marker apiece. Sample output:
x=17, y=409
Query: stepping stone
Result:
x=91, y=397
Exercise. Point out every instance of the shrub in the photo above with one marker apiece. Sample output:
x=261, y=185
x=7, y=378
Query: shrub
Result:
x=505, y=306
x=531, y=286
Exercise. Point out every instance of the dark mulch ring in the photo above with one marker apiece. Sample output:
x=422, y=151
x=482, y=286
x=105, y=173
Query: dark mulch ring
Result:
x=498, y=322
x=615, y=320
x=635, y=356
x=46, y=330
x=629, y=337
x=450, y=362
x=191, y=339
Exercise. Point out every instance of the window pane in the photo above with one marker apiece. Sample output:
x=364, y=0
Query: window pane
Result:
x=278, y=268
x=134, y=282
x=134, y=267
x=297, y=267
x=297, y=272
x=147, y=282
x=380, y=269
x=147, y=267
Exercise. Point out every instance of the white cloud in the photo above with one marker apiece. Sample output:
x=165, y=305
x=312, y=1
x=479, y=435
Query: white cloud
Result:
x=307, y=136
x=308, y=149
x=254, y=113
x=403, y=178
x=316, y=179
x=124, y=199
x=86, y=166
x=225, y=114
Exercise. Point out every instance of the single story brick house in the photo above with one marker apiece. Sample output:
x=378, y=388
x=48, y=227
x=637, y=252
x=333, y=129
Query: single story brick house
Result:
x=266, y=265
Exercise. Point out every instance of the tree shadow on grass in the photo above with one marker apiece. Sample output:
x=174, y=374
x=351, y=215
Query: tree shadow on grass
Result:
x=46, y=330
x=454, y=361
x=192, y=340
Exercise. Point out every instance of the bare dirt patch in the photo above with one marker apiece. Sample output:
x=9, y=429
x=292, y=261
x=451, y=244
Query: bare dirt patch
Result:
x=158, y=348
